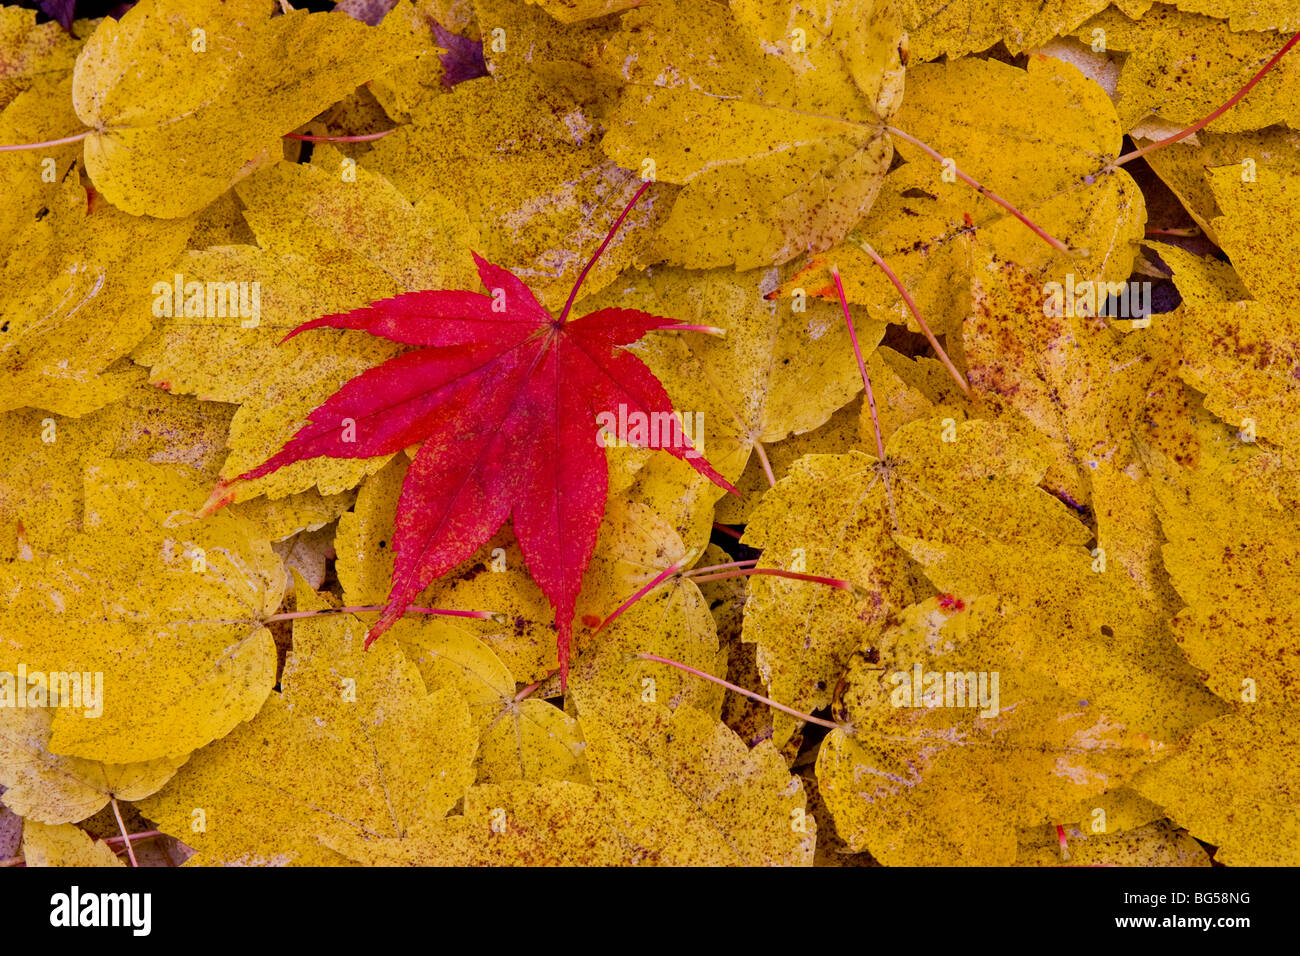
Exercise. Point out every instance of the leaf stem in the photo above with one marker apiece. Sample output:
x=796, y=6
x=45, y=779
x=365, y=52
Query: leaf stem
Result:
x=762, y=460
x=720, y=572
x=706, y=329
x=982, y=190
x=779, y=573
x=736, y=688
x=695, y=572
x=573, y=293
x=294, y=615
x=729, y=532
x=49, y=142
x=654, y=582
x=1196, y=127
x=303, y=137
x=916, y=314
x=862, y=366
x=121, y=825
x=523, y=694
x=363, y=138
x=134, y=838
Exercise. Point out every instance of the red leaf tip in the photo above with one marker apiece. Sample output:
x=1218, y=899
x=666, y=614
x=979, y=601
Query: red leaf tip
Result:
x=220, y=497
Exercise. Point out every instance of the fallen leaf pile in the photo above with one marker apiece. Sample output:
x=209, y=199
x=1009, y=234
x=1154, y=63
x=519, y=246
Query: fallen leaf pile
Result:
x=389, y=392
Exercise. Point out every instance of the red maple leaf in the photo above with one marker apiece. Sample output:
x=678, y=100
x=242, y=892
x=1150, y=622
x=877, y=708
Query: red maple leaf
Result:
x=504, y=399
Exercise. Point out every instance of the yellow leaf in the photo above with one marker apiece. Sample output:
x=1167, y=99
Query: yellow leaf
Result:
x=32, y=52
x=1255, y=226
x=953, y=742
x=276, y=384
x=495, y=580
x=165, y=608
x=353, y=745
x=326, y=245
x=668, y=486
x=217, y=82
x=64, y=845
x=1234, y=786
x=521, y=41
x=1255, y=15
x=1181, y=67
x=1000, y=125
x=222, y=224
x=975, y=110
x=51, y=788
x=1153, y=844
x=1183, y=166
x=412, y=87
x=312, y=209
x=958, y=27
x=519, y=739
x=1118, y=654
x=1245, y=356
x=524, y=823
x=281, y=518
x=75, y=288
x=42, y=462
x=547, y=198
x=1200, y=280
x=687, y=791
x=760, y=117
x=31, y=177
x=1233, y=554
x=1066, y=373
x=673, y=621
x=1034, y=342
x=905, y=390
x=840, y=433
x=1112, y=812
x=833, y=516
x=775, y=372
x=535, y=741
x=570, y=11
